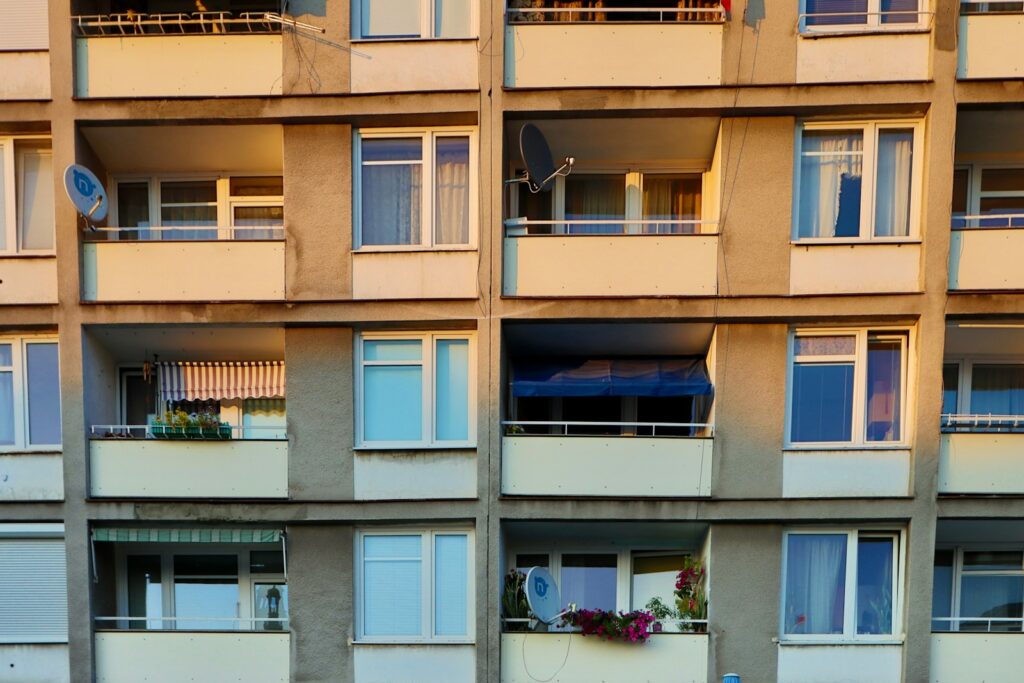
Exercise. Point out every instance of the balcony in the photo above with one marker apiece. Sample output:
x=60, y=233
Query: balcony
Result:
x=619, y=46
x=981, y=251
x=180, y=54
x=988, y=30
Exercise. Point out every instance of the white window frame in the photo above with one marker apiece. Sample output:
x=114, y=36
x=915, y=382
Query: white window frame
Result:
x=869, y=163
x=428, y=362
x=427, y=635
x=975, y=171
x=19, y=369
x=428, y=137
x=10, y=192
x=427, y=8
x=958, y=574
x=858, y=430
x=965, y=375
x=872, y=22
x=850, y=613
x=245, y=607
x=226, y=202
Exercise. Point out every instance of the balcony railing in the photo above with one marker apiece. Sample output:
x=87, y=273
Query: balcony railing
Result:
x=606, y=15
x=523, y=227
x=245, y=624
x=170, y=432
x=978, y=624
x=626, y=429
x=188, y=233
x=989, y=7
x=952, y=423
x=990, y=221
x=136, y=24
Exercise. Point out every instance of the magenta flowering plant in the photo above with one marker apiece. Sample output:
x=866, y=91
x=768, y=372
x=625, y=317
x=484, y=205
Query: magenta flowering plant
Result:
x=691, y=601
x=628, y=627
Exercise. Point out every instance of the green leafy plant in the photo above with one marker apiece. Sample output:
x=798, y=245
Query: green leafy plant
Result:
x=691, y=600
x=513, y=600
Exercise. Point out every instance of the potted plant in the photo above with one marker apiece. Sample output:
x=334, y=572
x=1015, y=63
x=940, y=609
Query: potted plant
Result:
x=171, y=425
x=515, y=610
x=691, y=600
x=178, y=424
x=626, y=627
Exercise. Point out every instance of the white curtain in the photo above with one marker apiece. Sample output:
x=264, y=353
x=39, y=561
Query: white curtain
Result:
x=672, y=198
x=815, y=583
x=451, y=183
x=391, y=204
x=892, y=194
x=830, y=184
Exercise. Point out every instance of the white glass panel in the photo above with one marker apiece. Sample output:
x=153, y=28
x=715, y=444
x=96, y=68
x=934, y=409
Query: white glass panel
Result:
x=451, y=19
x=392, y=577
x=451, y=191
x=43, y=394
x=815, y=583
x=390, y=18
x=830, y=184
x=452, y=384
x=393, y=403
x=874, y=585
x=451, y=584
x=393, y=349
x=36, y=200
x=893, y=183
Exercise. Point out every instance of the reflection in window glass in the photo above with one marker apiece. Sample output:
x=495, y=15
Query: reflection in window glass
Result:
x=950, y=388
x=43, y=394
x=595, y=196
x=270, y=606
x=392, y=182
x=654, y=576
x=990, y=597
x=992, y=560
x=997, y=389
x=206, y=592
x=145, y=593
x=451, y=382
x=451, y=190
x=942, y=590
x=831, y=167
x=836, y=12
x=884, y=388
x=815, y=583
x=390, y=18
x=822, y=402
x=451, y=19
x=589, y=580
x=874, y=584
x=7, y=435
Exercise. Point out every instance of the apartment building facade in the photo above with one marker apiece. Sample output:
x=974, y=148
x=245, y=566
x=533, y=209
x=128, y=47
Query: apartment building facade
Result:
x=328, y=371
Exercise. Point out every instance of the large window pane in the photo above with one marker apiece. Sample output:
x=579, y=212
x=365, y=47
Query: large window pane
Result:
x=997, y=389
x=35, y=207
x=188, y=203
x=451, y=191
x=270, y=603
x=145, y=593
x=830, y=184
x=595, y=196
x=899, y=11
x=133, y=209
x=252, y=216
x=874, y=585
x=942, y=590
x=950, y=388
x=655, y=577
x=452, y=385
x=884, y=389
x=836, y=12
x=672, y=197
x=451, y=584
x=393, y=403
x=822, y=409
x=392, y=578
x=206, y=592
x=990, y=597
x=390, y=18
x=7, y=435
x=43, y=394
x=451, y=19
x=589, y=580
x=391, y=200
x=893, y=183
x=815, y=583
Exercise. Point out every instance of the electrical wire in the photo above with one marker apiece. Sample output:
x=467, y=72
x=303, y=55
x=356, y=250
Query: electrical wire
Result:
x=565, y=659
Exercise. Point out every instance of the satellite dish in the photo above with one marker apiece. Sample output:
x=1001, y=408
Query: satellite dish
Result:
x=86, y=192
x=540, y=167
x=542, y=595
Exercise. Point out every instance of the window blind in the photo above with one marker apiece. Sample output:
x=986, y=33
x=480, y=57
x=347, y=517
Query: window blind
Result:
x=33, y=591
x=392, y=585
x=24, y=25
x=450, y=584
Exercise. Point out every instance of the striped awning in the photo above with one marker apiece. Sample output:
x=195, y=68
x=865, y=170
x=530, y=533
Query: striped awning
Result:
x=199, y=535
x=185, y=381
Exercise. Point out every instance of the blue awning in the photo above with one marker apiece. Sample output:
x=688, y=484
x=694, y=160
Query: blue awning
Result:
x=571, y=377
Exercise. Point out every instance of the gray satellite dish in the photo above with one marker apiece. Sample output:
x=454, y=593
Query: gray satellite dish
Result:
x=540, y=167
x=86, y=192
x=542, y=596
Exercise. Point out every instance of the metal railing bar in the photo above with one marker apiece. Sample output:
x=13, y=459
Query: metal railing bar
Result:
x=564, y=426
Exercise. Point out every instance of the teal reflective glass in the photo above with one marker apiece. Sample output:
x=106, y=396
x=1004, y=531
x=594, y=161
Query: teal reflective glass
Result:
x=451, y=584
x=393, y=403
x=452, y=386
x=393, y=349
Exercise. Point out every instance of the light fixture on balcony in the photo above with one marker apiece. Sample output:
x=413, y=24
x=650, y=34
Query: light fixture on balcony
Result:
x=540, y=167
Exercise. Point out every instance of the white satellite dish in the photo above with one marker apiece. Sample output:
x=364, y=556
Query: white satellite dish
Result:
x=543, y=597
x=86, y=192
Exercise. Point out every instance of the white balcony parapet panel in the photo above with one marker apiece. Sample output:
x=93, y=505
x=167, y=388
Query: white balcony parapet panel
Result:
x=416, y=475
x=981, y=252
x=541, y=465
x=28, y=279
x=39, y=663
x=632, y=259
x=674, y=48
x=31, y=476
x=981, y=462
x=177, y=55
x=414, y=65
x=449, y=663
x=421, y=274
x=186, y=468
x=864, y=268
x=26, y=76
x=976, y=657
x=156, y=270
x=988, y=41
x=169, y=657
x=841, y=663
x=664, y=658
x=846, y=473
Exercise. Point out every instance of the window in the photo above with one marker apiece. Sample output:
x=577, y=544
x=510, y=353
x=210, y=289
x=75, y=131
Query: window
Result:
x=29, y=393
x=991, y=389
x=415, y=586
x=841, y=585
x=978, y=588
x=860, y=15
x=609, y=199
x=408, y=19
x=848, y=387
x=858, y=181
x=195, y=208
x=196, y=587
x=26, y=197
x=988, y=197
x=33, y=584
x=415, y=391
x=416, y=189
